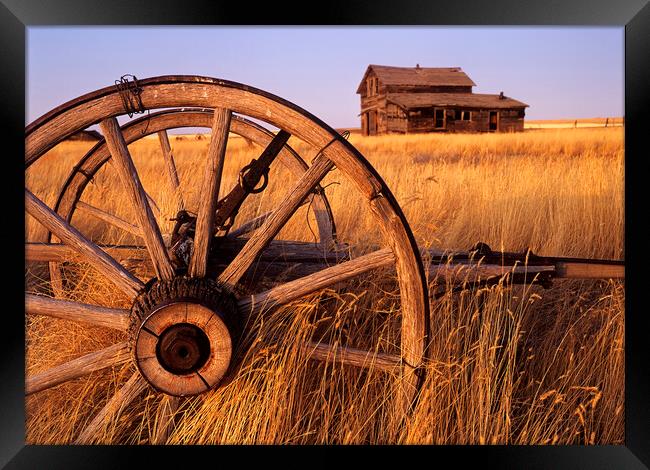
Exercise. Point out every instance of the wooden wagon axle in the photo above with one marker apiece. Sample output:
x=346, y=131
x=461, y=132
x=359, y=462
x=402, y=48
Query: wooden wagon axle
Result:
x=294, y=260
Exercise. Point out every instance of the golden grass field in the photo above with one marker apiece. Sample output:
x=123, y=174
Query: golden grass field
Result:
x=573, y=123
x=509, y=365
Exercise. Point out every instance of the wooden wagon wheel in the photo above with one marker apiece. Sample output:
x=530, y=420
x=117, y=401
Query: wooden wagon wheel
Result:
x=183, y=323
x=160, y=123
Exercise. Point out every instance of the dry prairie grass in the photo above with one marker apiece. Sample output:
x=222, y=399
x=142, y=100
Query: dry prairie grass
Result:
x=573, y=123
x=510, y=365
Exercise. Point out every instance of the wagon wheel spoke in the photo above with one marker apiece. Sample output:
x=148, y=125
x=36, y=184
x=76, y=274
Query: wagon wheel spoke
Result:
x=153, y=204
x=84, y=365
x=351, y=356
x=311, y=283
x=209, y=194
x=164, y=419
x=290, y=291
x=131, y=181
x=249, y=226
x=272, y=225
x=87, y=249
x=110, y=218
x=115, y=318
x=254, y=223
x=171, y=168
x=114, y=407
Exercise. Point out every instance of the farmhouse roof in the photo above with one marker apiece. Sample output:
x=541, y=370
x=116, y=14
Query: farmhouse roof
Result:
x=436, y=76
x=417, y=100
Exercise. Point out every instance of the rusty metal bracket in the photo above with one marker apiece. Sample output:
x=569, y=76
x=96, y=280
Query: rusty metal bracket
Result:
x=249, y=177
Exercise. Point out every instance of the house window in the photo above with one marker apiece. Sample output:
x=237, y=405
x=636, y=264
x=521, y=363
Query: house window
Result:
x=466, y=116
x=521, y=113
x=372, y=86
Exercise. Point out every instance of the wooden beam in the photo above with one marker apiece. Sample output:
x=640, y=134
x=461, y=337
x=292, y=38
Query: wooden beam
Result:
x=576, y=270
x=296, y=260
x=57, y=252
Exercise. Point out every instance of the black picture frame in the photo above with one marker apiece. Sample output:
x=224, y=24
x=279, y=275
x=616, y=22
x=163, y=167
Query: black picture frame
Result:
x=634, y=15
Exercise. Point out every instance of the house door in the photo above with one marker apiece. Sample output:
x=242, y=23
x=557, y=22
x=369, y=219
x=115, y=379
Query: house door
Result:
x=372, y=123
x=439, y=119
x=494, y=121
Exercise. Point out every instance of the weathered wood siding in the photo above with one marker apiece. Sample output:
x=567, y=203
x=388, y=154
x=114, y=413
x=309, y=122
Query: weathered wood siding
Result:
x=477, y=123
x=373, y=101
x=396, y=120
x=509, y=120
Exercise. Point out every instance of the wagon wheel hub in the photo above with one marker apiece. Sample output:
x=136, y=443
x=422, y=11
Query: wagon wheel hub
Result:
x=183, y=348
x=182, y=335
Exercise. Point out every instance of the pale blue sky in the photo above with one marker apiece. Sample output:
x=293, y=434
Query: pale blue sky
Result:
x=573, y=72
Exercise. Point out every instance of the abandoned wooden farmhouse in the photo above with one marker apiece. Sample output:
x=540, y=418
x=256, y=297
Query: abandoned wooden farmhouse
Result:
x=426, y=99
